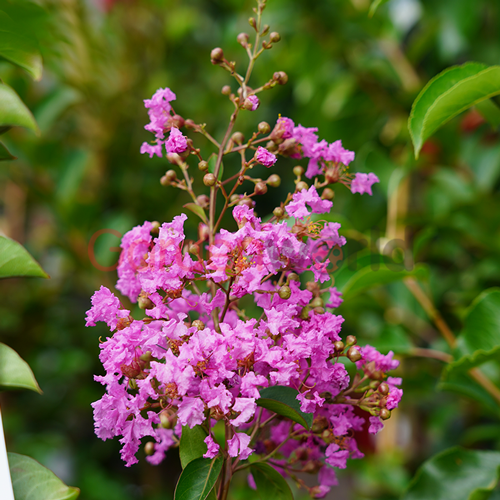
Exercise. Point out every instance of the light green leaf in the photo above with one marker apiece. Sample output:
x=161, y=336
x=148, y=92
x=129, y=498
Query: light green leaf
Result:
x=15, y=373
x=5, y=154
x=456, y=474
x=448, y=94
x=13, y=111
x=270, y=483
x=18, y=47
x=32, y=481
x=192, y=444
x=196, y=209
x=479, y=341
x=375, y=5
x=490, y=112
x=16, y=261
x=367, y=278
x=283, y=401
x=198, y=479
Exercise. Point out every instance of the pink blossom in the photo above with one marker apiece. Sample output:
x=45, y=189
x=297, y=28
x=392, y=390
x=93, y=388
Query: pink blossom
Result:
x=212, y=447
x=238, y=446
x=263, y=156
x=254, y=100
x=159, y=110
x=176, y=142
x=247, y=408
x=335, y=298
x=152, y=149
x=297, y=207
x=105, y=307
x=362, y=183
x=376, y=425
x=191, y=411
x=336, y=458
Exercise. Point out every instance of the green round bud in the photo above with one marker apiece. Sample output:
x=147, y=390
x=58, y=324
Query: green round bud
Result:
x=149, y=448
x=144, y=303
x=285, y=292
x=252, y=22
x=353, y=354
x=194, y=249
x=217, y=55
x=293, y=277
x=203, y=200
x=165, y=421
x=328, y=194
x=383, y=388
x=171, y=175
x=198, y=324
x=164, y=181
x=238, y=138
x=280, y=77
x=385, y=414
x=317, y=302
x=209, y=180
x=190, y=124
x=301, y=185
x=155, y=227
x=304, y=314
x=234, y=197
x=264, y=128
x=274, y=180
x=351, y=340
x=298, y=170
x=242, y=39
x=338, y=346
x=274, y=37
x=203, y=165
x=278, y=212
x=260, y=188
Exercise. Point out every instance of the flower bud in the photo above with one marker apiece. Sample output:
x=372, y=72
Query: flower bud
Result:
x=194, y=249
x=252, y=23
x=190, y=124
x=173, y=158
x=265, y=30
x=217, y=55
x=278, y=212
x=242, y=39
x=317, y=302
x=203, y=200
x=298, y=170
x=285, y=292
x=246, y=202
x=383, y=388
x=327, y=436
x=385, y=414
x=209, y=180
x=304, y=314
x=171, y=175
x=353, y=354
x=203, y=232
x=132, y=384
x=280, y=77
x=292, y=277
x=203, y=165
x=338, y=346
x=327, y=194
x=149, y=448
x=226, y=90
x=144, y=302
x=155, y=227
x=313, y=287
x=319, y=425
x=274, y=37
x=238, y=138
x=351, y=340
x=177, y=121
x=198, y=324
x=264, y=128
x=260, y=188
x=274, y=180
x=164, y=181
x=302, y=185
x=234, y=197
x=319, y=310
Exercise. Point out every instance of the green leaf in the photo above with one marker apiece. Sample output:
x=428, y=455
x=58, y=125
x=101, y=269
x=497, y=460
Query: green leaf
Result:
x=54, y=105
x=490, y=112
x=15, y=373
x=375, y=5
x=196, y=209
x=448, y=94
x=192, y=444
x=283, y=401
x=198, y=478
x=5, y=154
x=32, y=481
x=479, y=341
x=13, y=111
x=16, y=261
x=456, y=474
x=19, y=48
x=367, y=278
x=270, y=483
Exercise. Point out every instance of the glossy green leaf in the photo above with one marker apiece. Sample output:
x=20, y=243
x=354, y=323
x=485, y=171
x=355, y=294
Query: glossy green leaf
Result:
x=18, y=47
x=283, y=401
x=270, y=483
x=198, y=478
x=479, y=341
x=32, y=481
x=490, y=112
x=192, y=444
x=457, y=474
x=16, y=261
x=5, y=154
x=196, y=209
x=13, y=112
x=15, y=373
x=448, y=94
x=367, y=278
x=375, y=5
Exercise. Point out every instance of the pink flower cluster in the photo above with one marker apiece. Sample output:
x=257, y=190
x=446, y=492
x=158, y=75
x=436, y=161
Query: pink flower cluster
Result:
x=196, y=359
x=162, y=119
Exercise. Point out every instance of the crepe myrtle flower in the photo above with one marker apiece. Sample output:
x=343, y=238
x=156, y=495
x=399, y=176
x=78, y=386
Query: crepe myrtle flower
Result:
x=264, y=157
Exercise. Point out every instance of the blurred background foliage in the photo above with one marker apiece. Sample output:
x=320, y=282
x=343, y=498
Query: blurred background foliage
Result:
x=353, y=77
